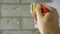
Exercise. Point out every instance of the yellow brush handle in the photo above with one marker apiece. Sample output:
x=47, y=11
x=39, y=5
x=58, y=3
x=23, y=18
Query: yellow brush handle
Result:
x=34, y=8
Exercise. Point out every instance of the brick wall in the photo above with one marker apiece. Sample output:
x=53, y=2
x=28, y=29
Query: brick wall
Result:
x=15, y=17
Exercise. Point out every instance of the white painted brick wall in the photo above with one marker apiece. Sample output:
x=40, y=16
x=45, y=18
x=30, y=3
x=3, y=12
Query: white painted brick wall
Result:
x=27, y=23
x=9, y=24
x=11, y=21
x=15, y=10
x=9, y=1
x=17, y=32
x=27, y=1
x=16, y=18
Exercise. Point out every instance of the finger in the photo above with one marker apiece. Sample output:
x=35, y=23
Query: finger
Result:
x=35, y=16
x=38, y=11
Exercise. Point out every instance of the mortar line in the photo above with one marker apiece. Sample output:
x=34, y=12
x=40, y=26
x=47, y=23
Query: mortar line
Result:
x=0, y=12
x=10, y=30
x=17, y=30
x=16, y=17
x=15, y=3
x=19, y=1
x=29, y=30
x=21, y=23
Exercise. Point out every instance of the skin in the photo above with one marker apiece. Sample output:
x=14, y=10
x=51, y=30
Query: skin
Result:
x=49, y=23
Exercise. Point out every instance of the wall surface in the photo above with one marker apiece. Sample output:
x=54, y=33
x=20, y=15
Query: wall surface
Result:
x=15, y=17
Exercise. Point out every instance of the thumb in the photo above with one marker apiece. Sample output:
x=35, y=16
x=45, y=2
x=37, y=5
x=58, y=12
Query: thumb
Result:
x=38, y=11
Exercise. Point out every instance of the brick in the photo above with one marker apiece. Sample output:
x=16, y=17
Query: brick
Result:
x=15, y=10
x=27, y=1
x=33, y=1
x=16, y=32
x=27, y=23
x=10, y=1
x=10, y=24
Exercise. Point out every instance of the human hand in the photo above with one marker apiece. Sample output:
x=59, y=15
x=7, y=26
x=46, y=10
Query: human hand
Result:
x=47, y=24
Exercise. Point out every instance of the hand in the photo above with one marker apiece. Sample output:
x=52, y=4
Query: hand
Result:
x=49, y=23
